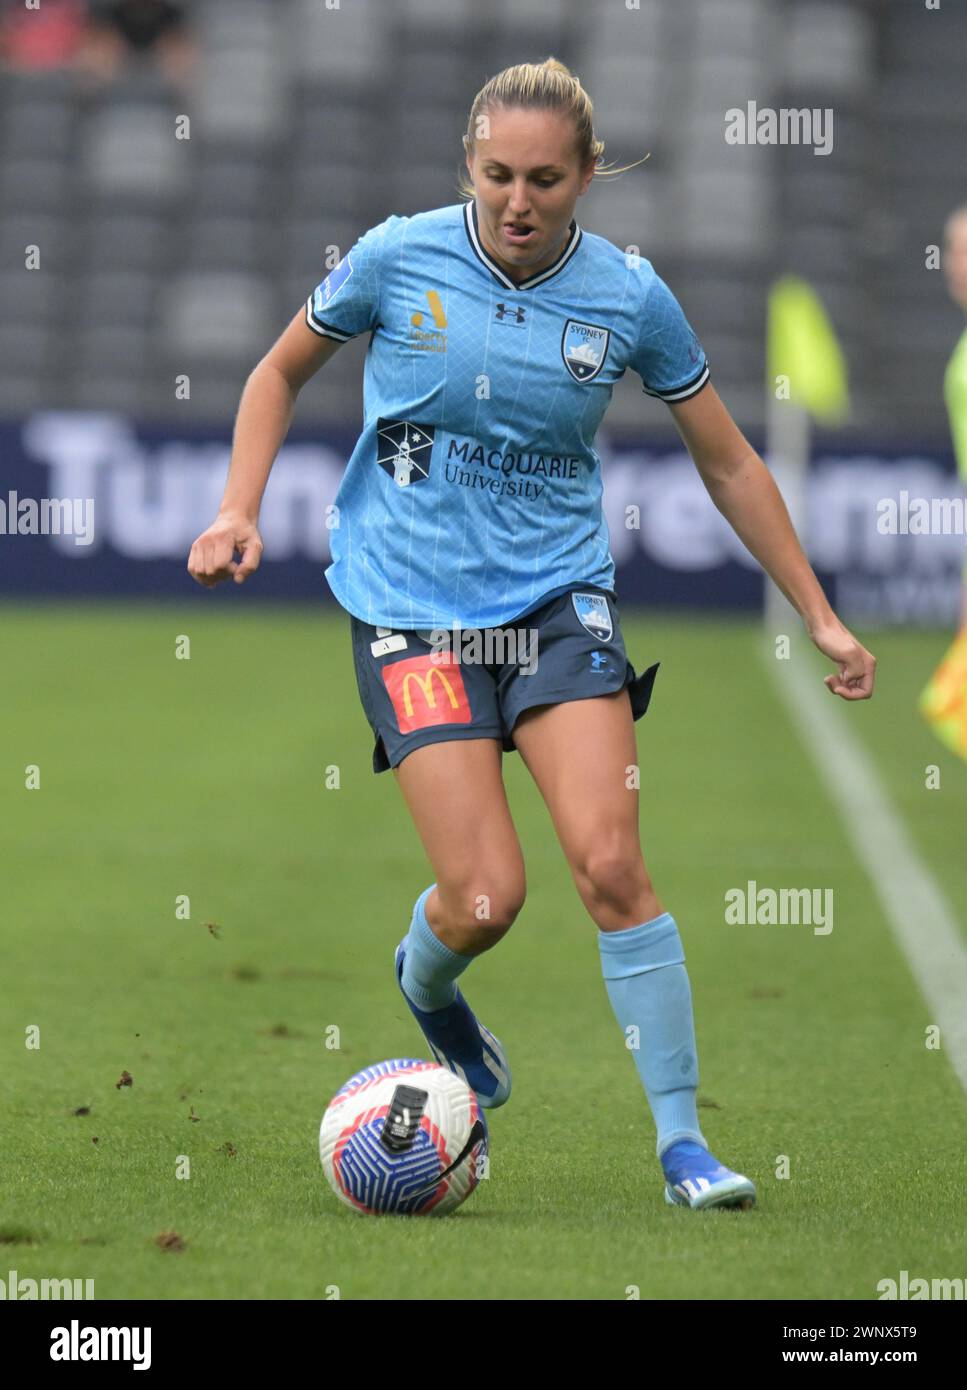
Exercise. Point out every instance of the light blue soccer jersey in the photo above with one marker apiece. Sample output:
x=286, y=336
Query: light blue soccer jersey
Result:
x=473, y=494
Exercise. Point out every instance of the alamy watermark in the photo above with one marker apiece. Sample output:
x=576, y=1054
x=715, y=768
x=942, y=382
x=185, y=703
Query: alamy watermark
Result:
x=50, y=516
x=489, y=646
x=755, y=906
x=77, y=1343
x=921, y=516
x=23, y=1290
x=789, y=125
x=918, y=1288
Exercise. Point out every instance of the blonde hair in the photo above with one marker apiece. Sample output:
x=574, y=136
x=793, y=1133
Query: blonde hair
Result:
x=548, y=86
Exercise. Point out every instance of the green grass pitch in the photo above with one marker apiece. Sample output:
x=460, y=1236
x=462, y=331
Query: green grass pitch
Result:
x=207, y=777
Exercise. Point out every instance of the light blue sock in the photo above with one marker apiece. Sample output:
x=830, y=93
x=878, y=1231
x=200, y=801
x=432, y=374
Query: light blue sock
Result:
x=430, y=967
x=647, y=983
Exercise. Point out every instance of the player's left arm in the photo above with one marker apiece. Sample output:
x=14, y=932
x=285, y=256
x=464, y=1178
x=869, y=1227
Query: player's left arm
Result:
x=744, y=491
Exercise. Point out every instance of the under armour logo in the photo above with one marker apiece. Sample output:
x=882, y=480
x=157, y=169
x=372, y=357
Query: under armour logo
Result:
x=513, y=312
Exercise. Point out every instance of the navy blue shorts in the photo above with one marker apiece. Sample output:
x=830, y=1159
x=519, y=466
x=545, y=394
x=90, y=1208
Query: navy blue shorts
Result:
x=416, y=689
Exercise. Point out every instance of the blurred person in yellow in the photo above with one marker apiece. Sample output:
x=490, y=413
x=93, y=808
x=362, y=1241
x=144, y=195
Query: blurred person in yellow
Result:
x=944, y=701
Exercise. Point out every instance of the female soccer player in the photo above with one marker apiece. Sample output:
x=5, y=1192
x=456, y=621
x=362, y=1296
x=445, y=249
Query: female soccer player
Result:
x=471, y=505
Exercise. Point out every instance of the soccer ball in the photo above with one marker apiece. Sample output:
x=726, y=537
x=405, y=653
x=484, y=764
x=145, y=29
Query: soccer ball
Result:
x=403, y=1136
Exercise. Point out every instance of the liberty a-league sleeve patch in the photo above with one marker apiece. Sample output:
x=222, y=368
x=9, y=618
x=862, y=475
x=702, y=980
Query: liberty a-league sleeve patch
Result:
x=403, y=450
x=336, y=278
x=594, y=614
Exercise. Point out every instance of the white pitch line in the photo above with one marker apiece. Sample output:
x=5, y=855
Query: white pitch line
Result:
x=913, y=902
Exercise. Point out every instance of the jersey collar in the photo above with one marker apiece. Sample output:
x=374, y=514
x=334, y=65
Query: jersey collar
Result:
x=476, y=245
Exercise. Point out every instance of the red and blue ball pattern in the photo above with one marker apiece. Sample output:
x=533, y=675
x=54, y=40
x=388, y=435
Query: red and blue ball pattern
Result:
x=371, y=1178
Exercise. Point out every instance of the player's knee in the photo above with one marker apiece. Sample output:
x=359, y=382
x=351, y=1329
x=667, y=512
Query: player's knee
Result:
x=495, y=912
x=616, y=877
x=503, y=911
x=488, y=909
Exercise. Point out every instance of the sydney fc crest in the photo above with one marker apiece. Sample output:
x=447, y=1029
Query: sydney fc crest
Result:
x=594, y=613
x=584, y=346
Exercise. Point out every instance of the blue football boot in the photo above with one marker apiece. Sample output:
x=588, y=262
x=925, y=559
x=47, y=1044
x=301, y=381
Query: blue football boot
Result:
x=694, y=1178
x=463, y=1045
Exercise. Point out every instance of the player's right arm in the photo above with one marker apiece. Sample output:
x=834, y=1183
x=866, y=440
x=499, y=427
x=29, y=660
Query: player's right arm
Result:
x=261, y=424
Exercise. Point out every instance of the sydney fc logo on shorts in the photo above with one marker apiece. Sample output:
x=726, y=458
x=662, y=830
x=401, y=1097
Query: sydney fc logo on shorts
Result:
x=403, y=450
x=594, y=613
x=584, y=346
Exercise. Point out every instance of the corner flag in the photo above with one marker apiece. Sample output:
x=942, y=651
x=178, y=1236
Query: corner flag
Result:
x=944, y=702
x=801, y=346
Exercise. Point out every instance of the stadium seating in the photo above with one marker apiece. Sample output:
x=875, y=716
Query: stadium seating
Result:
x=308, y=125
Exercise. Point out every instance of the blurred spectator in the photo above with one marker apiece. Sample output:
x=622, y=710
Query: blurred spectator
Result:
x=955, y=378
x=122, y=31
x=37, y=40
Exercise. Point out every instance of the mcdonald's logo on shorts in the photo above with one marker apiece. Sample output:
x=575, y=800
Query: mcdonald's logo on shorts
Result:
x=426, y=692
